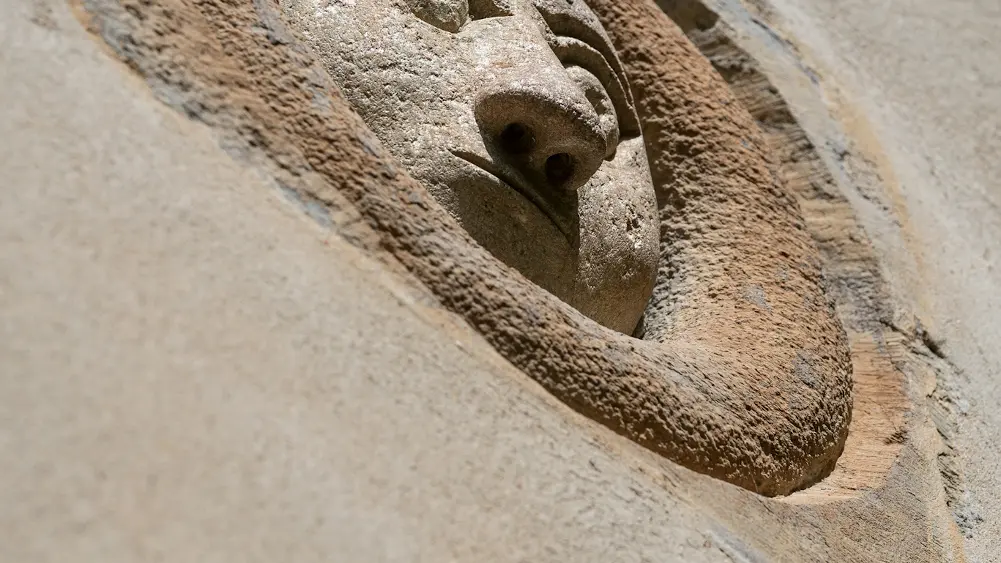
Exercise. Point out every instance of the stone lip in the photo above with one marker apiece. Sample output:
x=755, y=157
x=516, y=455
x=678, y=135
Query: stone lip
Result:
x=759, y=396
x=566, y=221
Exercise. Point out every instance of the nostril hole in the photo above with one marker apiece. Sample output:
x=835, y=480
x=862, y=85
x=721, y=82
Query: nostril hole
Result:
x=559, y=168
x=517, y=139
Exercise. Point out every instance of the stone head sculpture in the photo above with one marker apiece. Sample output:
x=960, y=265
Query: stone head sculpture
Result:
x=518, y=118
x=658, y=202
x=521, y=147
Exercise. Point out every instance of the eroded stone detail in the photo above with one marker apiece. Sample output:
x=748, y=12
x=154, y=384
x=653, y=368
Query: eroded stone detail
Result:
x=717, y=382
x=519, y=121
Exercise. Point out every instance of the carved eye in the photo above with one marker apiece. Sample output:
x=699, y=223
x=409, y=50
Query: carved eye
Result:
x=451, y=15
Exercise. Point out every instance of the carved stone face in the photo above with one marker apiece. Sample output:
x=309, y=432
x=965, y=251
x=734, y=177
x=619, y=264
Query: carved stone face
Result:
x=517, y=117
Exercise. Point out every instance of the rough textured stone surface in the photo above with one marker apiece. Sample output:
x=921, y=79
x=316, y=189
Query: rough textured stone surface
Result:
x=175, y=385
x=772, y=417
x=521, y=125
x=193, y=372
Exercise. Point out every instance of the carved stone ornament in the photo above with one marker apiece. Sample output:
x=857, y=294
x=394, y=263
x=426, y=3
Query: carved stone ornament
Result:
x=572, y=178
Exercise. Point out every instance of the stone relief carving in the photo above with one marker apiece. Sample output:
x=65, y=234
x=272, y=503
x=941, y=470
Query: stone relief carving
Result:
x=519, y=120
x=589, y=147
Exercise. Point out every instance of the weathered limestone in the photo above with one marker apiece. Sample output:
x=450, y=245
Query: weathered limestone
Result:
x=742, y=371
x=267, y=412
x=543, y=165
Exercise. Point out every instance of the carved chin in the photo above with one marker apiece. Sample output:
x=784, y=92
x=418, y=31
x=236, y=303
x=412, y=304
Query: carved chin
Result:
x=603, y=262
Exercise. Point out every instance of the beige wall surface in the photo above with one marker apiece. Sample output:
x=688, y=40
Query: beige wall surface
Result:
x=191, y=370
x=926, y=77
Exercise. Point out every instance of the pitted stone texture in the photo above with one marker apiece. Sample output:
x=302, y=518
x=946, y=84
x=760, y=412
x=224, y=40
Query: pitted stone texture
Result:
x=740, y=280
x=521, y=126
x=765, y=405
x=449, y=15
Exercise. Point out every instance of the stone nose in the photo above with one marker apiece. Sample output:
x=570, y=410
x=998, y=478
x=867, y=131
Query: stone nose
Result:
x=543, y=129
